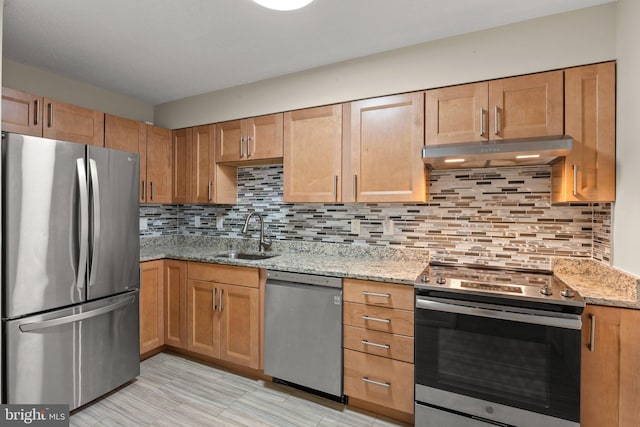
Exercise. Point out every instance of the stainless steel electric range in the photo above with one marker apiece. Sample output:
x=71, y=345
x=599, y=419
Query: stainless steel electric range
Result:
x=496, y=347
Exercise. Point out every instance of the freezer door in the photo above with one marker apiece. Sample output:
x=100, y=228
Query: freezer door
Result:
x=74, y=355
x=114, y=211
x=44, y=198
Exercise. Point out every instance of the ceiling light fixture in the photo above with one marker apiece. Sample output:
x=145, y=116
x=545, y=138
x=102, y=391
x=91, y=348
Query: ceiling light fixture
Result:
x=283, y=4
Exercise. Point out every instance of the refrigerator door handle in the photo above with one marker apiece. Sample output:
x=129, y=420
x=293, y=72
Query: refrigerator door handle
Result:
x=95, y=199
x=30, y=327
x=84, y=224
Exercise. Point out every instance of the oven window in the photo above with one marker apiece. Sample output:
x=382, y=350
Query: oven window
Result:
x=490, y=364
x=528, y=366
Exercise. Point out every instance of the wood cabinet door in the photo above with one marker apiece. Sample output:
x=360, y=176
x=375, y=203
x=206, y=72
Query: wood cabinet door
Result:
x=151, y=306
x=385, y=138
x=231, y=141
x=159, y=176
x=526, y=106
x=203, y=164
x=21, y=112
x=128, y=135
x=68, y=122
x=181, y=160
x=588, y=172
x=457, y=114
x=175, y=303
x=203, y=318
x=240, y=325
x=313, y=155
x=264, y=137
x=600, y=382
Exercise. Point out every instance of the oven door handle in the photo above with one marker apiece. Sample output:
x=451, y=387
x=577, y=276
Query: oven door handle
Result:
x=558, y=322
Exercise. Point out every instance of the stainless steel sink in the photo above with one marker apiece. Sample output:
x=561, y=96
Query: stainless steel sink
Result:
x=246, y=256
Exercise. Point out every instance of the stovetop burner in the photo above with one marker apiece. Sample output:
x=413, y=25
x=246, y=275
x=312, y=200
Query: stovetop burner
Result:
x=537, y=285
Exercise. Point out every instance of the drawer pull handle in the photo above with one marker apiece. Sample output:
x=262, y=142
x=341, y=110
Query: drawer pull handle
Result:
x=375, y=294
x=367, y=380
x=373, y=344
x=375, y=319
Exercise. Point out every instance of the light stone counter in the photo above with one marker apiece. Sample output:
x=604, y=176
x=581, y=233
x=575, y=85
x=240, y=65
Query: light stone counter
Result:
x=598, y=283
x=382, y=264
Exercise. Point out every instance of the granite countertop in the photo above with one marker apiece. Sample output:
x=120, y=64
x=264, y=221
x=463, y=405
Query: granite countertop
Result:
x=381, y=264
x=598, y=283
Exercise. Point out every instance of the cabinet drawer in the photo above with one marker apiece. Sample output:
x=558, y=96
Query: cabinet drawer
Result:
x=228, y=274
x=396, y=380
x=378, y=293
x=379, y=343
x=379, y=318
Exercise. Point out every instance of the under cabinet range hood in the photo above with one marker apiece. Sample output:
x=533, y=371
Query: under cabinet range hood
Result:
x=513, y=152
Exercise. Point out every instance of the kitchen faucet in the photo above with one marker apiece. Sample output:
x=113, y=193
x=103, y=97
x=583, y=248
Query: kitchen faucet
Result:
x=264, y=243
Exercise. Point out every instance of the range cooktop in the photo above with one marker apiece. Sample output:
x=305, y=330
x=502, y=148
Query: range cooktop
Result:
x=534, y=285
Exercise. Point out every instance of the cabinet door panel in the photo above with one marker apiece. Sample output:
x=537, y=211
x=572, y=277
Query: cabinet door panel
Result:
x=181, y=158
x=203, y=318
x=240, y=326
x=526, y=106
x=590, y=120
x=202, y=177
x=175, y=278
x=158, y=165
x=386, y=136
x=313, y=154
x=151, y=306
x=68, y=122
x=265, y=137
x=128, y=135
x=457, y=114
x=21, y=112
x=230, y=141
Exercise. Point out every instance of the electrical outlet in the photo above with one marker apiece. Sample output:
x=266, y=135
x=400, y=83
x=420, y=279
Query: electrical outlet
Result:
x=197, y=221
x=355, y=226
x=220, y=223
x=144, y=224
x=387, y=227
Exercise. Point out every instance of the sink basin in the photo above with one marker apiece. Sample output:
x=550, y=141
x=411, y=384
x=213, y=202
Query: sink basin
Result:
x=245, y=256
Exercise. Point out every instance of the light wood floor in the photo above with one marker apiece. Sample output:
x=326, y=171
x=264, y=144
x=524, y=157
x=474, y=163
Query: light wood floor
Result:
x=174, y=391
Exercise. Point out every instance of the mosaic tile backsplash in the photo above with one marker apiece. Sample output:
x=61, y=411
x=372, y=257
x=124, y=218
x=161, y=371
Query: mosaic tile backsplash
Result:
x=498, y=217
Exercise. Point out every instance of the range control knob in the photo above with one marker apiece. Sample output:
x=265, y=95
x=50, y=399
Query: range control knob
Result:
x=546, y=290
x=568, y=293
x=441, y=281
x=424, y=278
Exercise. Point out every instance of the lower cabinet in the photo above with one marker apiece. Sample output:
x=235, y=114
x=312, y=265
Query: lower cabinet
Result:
x=175, y=303
x=151, y=306
x=223, y=313
x=378, y=346
x=610, y=367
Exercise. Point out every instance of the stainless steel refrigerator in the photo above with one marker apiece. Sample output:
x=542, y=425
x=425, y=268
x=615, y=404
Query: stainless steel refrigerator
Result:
x=70, y=270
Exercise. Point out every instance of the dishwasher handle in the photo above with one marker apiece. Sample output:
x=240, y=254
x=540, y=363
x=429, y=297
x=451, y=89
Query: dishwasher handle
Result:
x=290, y=278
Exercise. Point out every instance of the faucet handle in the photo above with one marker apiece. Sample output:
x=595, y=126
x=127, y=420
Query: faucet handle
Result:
x=266, y=243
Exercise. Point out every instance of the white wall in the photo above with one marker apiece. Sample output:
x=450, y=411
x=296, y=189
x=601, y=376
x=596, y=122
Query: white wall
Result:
x=557, y=41
x=626, y=214
x=45, y=83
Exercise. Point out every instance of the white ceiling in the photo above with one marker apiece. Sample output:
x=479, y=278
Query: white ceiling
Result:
x=163, y=50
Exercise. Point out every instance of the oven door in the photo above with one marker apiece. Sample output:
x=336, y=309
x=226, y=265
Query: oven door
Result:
x=506, y=364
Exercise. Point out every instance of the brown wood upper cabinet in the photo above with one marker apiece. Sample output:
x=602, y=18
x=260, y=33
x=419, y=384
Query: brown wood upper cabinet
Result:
x=382, y=142
x=313, y=155
x=128, y=135
x=610, y=380
x=588, y=172
x=515, y=107
x=159, y=165
x=181, y=150
x=257, y=138
x=21, y=112
x=33, y=115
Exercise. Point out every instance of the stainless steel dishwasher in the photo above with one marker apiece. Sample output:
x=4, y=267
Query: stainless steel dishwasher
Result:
x=303, y=330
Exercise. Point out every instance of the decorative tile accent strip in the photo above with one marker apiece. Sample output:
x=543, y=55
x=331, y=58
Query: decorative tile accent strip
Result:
x=498, y=216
